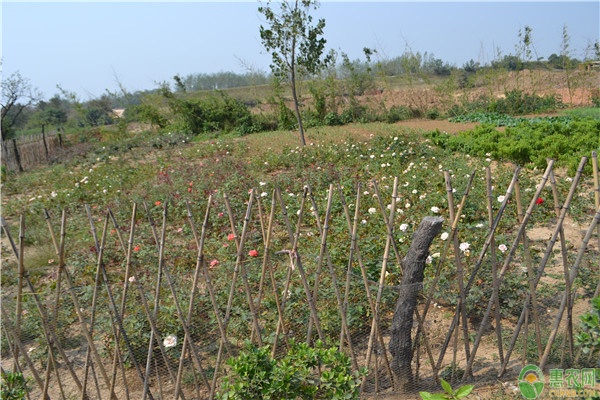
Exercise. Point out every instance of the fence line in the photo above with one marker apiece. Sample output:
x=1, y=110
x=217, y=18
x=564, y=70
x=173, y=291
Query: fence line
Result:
x=28, y=151
x=126, y=343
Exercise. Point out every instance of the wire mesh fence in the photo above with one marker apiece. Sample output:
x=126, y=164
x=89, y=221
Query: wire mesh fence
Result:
x=154, y=311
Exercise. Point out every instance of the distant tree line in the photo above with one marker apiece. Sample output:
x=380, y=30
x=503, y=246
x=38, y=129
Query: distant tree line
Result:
x=25, y=110
x=221, y=80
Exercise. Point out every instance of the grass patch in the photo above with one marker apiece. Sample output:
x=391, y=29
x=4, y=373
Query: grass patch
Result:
x=588, y=112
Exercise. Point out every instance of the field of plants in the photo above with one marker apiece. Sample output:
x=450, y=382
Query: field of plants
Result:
x=154, y=169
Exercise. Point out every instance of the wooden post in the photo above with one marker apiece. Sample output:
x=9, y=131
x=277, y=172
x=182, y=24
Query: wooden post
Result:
x=459, y=268
x=60, y=142
x=596, y=202
x=494, y=260
x=44, y=140
x=412, y=281
x=17, y=156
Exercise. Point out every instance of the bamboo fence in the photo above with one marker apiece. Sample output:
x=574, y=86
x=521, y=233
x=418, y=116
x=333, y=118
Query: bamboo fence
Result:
x=27, y=151
x=127, y=333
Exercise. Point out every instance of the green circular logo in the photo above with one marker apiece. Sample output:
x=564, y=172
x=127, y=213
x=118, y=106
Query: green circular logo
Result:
x=531, y=381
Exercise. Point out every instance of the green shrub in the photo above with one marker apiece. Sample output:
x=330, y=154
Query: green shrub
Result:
x=332, y=119
x=217, y=112
x=589, y=337
x=304, y=372
x=596, y=97
x=397, y=113
x=498, y=119
x=529, y=142
x=286, y=119
x=434, y=113
x=13, y=386
x=516, y=102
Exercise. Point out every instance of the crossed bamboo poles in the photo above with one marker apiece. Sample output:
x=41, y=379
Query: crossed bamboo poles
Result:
x=101, y=377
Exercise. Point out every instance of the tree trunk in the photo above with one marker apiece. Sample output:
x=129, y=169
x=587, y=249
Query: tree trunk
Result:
x=413, y=265
x=297, y=108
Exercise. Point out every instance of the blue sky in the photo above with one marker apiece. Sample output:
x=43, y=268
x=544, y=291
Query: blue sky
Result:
x=83, y=46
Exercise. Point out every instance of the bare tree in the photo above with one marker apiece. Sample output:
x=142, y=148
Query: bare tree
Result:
x=17, y=95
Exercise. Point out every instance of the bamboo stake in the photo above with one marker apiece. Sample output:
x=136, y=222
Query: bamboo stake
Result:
x=21, y=272
x=334, y=279
x=317, y=282
x=84, y=327
x=60, y=253
x=124, y=295
x=122, y=368
x=573, y=273
x=266, y=259
x=353, y=228
x=117, y=230
x=525, y=334
x=453, y=229
x=240, y=265
x=388, y=242
x=548, y=249
x=230, y=297
x=196, y=385
x=54, y=242
x=88, y=359
x=17, y=341
x=294, y=240
x=238, y=249
x=196, y=278
x=238, y=262
x=155, y=334
x=10, y=239
x=160, y=387
x=260, y=218
x=49, y=334
x=152, y=224
x=568, y=283
x=200, y=258
x=454, y=354
x=185, y=324
x=247, y=284
x=280, y=309
x=298, y=259
x=459, y=267
x=323, y=230
x=350, y=257
x=116, y=313
x=354, y=244
x=161, y=249
x=507, y=262
x=494, y=260
x=530, y=277
x=596, y=174
x=479, y=261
